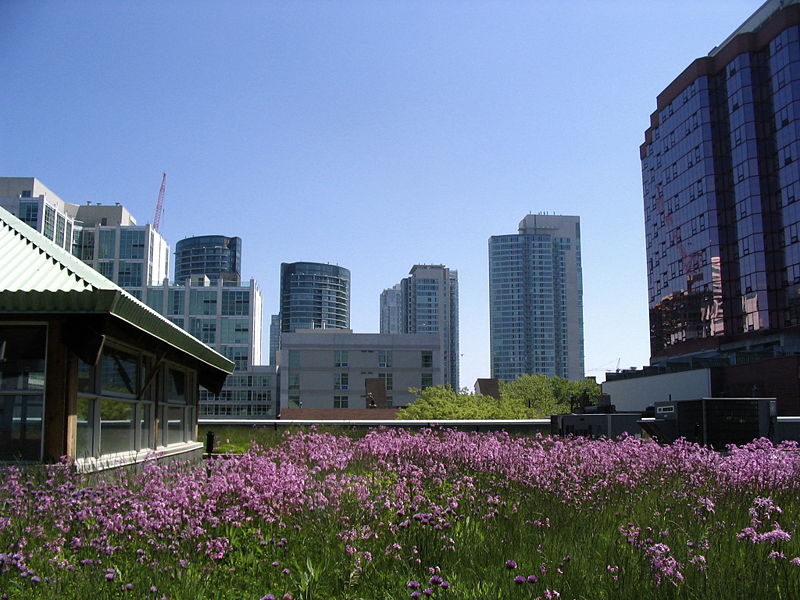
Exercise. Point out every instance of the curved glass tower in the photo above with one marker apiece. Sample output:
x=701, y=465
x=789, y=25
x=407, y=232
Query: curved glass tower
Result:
x=314, y=296
x=215, y=256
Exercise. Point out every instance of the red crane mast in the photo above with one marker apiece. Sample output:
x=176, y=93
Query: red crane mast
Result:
x=160, y=203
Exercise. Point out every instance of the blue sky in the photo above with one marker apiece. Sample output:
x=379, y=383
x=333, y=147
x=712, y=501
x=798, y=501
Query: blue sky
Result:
x=374, y=135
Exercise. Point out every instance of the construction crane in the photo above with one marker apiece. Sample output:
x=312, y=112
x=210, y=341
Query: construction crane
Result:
x=160, y=203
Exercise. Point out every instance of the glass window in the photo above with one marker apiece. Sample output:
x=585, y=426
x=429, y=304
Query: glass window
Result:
x=22, y=349
x=426, y=380
x=235, y=302
x=340, y=358
x=341, y=381
x=385, y=358
x=176, y=301
x=203, y=329
x=108, y=242
x=85, y=428
x=203, y=303
x=117, y=426
x=388, y=380
x=176, y=424
x=340, y=402
x=130, y=274
x=427, y=359
x=294, y=381
x=119, y=372
x=131, y=243
x=294, y=358
x=49, y=222
x=106, y=268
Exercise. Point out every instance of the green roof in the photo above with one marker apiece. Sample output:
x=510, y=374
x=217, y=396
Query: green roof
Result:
x=38, y=277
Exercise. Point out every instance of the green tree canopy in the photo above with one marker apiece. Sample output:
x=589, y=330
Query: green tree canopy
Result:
x=529, y=397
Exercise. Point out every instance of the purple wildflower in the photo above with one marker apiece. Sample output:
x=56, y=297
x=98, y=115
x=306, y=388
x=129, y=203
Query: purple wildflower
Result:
x=511, y=564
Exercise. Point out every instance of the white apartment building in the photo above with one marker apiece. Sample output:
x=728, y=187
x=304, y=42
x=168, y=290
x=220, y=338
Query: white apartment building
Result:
x=327, y=368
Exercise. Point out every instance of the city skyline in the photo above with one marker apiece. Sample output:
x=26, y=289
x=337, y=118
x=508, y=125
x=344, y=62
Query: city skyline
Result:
x=415, y=130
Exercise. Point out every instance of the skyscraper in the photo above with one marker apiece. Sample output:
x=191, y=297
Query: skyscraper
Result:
x=721, y=182
x=427, y=302
x=390, y=309
x=536, y=299
x=314, y=296
x=216, y=256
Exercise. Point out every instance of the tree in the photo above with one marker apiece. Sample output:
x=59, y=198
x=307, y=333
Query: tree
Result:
x=529, y=397
x=441, y=402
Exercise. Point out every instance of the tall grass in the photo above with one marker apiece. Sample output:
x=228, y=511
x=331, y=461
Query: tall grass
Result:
x=434, y=514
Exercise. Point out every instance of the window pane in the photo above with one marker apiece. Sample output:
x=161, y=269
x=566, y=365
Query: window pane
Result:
x=176, y=386
x=175, y=424
x=119, y=371
x=85, y=437
x=116, y=426
x=20, y=427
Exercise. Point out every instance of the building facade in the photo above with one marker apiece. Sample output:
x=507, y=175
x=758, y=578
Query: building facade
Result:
x=216, y=256
x=228, y=319
x=391, y=303
x=108, y=239
x=427, y=302
x=536, y=299
x=32, y=202
x=314, y=296
x=341, y=369
x=721, y=183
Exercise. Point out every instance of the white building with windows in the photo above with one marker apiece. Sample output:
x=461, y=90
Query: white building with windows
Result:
x=327, y=368
x=33, y=203
x=426, y=302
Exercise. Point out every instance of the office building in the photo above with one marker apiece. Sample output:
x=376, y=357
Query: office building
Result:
x=391, y=303
x=33, y=203
x=228, y=319
x=274, y=337
x=314, y=296
x=104, y=236
x=330, y=368
x=536, y=299
x=216, y=256
x=721, y=182
x=427, y=302
x=108, y=239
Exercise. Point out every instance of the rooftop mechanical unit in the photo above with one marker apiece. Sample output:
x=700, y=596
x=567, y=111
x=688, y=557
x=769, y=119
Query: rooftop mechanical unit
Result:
x=713, y=422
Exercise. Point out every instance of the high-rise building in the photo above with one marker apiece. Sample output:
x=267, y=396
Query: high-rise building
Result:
x=274, y=337
x=314, y=296
x=33, y=203
x=721, y=182
x=108, y=239
x=390, y=309
x=105, y=236
x=427, y=302
x=536, y=299
x=216, y=256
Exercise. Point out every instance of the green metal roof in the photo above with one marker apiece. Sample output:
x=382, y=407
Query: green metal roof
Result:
x=37, y=277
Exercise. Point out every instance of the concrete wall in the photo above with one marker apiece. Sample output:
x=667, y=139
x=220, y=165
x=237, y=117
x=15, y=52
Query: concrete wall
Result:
x=639, y=392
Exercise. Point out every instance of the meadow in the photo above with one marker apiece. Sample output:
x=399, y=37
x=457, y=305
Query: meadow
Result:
x=396, y=515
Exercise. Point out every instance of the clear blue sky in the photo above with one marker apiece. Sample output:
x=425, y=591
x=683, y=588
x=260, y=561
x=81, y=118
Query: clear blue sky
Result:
x=374, y=135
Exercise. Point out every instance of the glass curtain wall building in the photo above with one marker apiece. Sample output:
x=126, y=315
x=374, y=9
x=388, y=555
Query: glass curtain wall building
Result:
x=314, y=296
x=536, y=299
x=216, y=256
x=426, y=302
x=721, y=184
